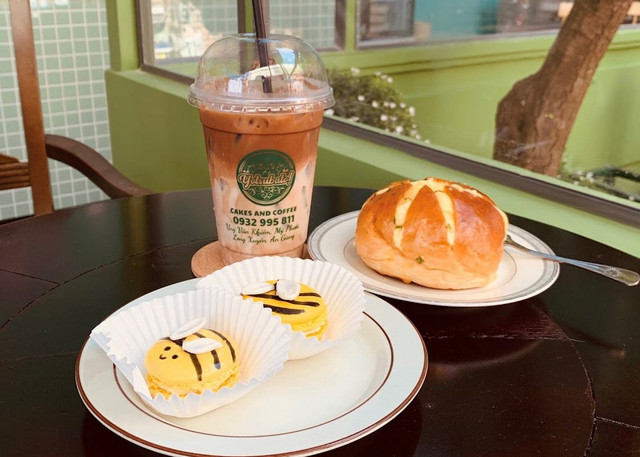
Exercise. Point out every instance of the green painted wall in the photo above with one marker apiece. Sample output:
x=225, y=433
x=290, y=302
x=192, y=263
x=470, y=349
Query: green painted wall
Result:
x=156, y=133
x=456, y=89
x=456, y=107
x=157, y=139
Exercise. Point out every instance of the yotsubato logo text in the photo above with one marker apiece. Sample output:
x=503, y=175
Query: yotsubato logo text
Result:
x=266, y=177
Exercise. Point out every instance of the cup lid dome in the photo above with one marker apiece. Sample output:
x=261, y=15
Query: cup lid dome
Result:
x=230, y=76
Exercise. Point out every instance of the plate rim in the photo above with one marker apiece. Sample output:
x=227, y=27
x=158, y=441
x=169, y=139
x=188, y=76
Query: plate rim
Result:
x=551, y=270
x=400, y=402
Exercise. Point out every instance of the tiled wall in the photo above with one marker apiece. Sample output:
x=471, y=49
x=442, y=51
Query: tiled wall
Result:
x=73, y=53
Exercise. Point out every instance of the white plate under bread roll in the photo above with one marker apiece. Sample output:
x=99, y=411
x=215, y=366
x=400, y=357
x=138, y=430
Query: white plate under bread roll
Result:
x=433, y=232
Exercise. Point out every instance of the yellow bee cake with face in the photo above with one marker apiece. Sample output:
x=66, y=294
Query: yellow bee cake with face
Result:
x=298, y=305
x=191, y=361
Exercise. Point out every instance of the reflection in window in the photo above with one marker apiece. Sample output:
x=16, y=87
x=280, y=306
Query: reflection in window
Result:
x=444, y=20
x=386, y=18
x=180, y=30
x=311, y=20
x=183, y=29
x=404, y=21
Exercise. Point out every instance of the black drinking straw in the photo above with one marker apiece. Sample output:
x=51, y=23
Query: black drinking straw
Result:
x=261, y=34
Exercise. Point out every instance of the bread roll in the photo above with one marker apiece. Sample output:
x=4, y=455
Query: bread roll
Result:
x=433, y=232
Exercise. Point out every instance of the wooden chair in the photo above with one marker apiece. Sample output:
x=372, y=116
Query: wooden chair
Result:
x=40, y=146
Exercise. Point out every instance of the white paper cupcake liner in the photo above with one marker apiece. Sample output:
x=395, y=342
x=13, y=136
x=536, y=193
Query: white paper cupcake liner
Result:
x=262, y=343
x=342, y=291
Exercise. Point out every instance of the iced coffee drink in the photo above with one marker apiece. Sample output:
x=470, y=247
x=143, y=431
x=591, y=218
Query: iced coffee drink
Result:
x=261, y=147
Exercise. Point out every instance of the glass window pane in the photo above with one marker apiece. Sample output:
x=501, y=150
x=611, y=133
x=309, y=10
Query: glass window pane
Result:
x=381, y=19
x=179, y=31
x=183, y=29
x=311, y=20
x=399, y=22
x=384, y=21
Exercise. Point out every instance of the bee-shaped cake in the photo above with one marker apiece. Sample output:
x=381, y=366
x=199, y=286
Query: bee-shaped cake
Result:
x=298, y=305
x=181, y=364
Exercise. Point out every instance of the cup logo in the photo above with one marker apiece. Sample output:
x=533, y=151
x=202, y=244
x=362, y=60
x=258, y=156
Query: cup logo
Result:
x=266, y=176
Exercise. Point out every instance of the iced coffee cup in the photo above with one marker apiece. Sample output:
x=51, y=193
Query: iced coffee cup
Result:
x=261, y=125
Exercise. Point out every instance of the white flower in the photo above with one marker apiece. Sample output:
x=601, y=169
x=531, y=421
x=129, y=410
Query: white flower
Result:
x=329, y=112
x=384, y=117
x=394, y=118
x=360, y=98
x=375, y=104
x=403, y=105
x=389, y=79
x=392, y=105
x=412, y=111
x=354, y=118
x=355, y=71
x=399, y=129
x=386, y=104
x=378, y=73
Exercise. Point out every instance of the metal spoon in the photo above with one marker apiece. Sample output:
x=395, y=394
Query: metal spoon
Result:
x=628, y=277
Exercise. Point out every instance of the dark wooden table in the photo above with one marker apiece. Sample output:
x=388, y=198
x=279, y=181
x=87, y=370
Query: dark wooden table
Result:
x=557, y=374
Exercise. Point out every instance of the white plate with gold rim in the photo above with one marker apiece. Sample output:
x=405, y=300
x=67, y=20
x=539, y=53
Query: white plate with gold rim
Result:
x=310, y=406
x=520, y=276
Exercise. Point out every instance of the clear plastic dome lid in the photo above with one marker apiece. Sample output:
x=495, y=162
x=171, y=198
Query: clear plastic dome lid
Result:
x=232, y=76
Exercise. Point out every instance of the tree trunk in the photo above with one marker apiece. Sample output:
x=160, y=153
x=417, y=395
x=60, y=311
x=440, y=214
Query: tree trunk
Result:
x=535, y=118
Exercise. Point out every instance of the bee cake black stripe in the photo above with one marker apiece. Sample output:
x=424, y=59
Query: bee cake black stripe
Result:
x=196, y=365
x=271, y=296
x=228, y=343
x=309, y=294
x=281, y=310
